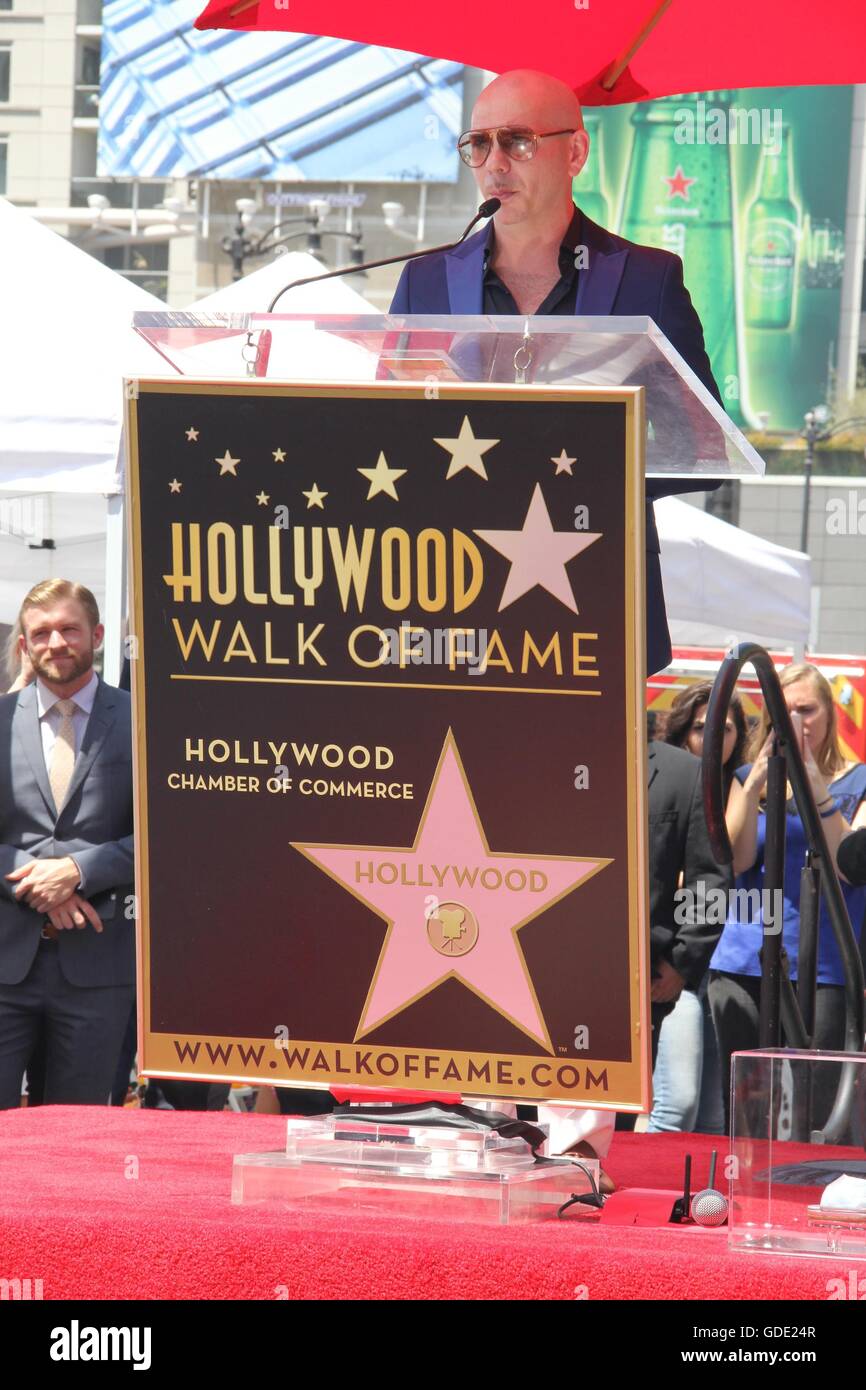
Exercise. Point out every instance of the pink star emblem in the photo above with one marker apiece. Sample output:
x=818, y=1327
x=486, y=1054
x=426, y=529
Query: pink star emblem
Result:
x=453, y=907
x=678, y=184
x=538, y=554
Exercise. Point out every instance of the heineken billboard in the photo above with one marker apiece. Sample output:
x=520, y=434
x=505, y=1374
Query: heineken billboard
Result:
x=749, y=187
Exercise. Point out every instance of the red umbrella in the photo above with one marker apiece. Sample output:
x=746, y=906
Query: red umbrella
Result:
x=608, y=50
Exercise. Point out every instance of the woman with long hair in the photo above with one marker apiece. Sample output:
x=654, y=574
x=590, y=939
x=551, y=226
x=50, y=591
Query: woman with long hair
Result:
x=687, y=718
x=687, y=1092
x=839, y=788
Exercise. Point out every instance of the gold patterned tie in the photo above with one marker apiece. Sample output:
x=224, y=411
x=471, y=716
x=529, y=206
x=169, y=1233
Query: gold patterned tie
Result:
x=63, y=753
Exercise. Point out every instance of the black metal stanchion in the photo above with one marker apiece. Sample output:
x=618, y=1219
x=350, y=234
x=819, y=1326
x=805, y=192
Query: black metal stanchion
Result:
x=770, y=1026
x=807, y=951
x=778, y=1000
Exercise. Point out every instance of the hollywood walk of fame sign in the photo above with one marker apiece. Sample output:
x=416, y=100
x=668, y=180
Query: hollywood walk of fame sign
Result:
x=389, y=737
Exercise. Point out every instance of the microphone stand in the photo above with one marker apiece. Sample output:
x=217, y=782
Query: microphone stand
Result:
x=487, y=209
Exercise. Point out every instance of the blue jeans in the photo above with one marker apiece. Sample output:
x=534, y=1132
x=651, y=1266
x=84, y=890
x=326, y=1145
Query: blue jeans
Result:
x=687, y=1090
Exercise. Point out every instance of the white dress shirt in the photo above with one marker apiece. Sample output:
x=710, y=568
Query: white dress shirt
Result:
x=49, y=716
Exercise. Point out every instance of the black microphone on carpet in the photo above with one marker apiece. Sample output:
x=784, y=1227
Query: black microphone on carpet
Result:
x=681, y=1210
x=487, y=209
x=851, y=857
x=709, y=1206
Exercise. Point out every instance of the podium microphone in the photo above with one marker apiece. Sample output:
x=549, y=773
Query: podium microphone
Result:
x=710, y=1207
x=487, y=209
x=851, y=857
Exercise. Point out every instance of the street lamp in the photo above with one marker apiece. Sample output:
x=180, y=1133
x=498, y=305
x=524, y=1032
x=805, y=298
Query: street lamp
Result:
x=240, y=247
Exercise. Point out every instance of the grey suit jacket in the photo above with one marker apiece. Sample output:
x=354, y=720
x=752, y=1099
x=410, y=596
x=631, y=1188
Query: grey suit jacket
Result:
x=94, y=824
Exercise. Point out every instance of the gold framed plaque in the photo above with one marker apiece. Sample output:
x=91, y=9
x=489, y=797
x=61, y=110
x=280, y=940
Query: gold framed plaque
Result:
x=390, y=760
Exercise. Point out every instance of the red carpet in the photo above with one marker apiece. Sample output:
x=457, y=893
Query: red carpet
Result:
x=103, y=1203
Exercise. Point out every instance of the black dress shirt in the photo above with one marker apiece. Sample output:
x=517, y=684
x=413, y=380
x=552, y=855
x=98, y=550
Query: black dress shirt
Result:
x=498, y=298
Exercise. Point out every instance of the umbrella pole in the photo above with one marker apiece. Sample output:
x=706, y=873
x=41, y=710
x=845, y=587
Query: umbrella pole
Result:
x=618, y=67
x=241, y=6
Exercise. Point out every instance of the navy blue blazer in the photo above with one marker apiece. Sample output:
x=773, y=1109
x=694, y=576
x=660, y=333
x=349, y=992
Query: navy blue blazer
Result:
x=620, y=277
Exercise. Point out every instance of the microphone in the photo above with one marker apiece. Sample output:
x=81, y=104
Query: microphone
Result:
x=487, y=209
x=851, y=857
x=681, y=1210
x=709, y=1206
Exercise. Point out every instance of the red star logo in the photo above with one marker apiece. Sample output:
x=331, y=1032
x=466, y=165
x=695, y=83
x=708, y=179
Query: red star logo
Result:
x=678, y=184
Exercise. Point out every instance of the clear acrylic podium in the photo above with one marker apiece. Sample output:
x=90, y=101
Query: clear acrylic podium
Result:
x=781, y=1198
x=688, y=433
x=410, y=1169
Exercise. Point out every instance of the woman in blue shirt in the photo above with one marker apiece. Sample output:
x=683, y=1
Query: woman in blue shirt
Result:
x=839, y=788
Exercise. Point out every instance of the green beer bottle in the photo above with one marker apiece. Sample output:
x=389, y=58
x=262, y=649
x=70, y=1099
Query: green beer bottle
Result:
x=807, y=249
x=586, y=187
x=678, y=197
x=772, y=227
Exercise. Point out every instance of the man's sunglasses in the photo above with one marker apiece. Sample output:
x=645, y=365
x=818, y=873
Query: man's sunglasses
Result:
x=514, y=141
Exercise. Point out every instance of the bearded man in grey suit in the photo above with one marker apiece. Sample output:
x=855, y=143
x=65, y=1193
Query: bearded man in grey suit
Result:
x=67, y=930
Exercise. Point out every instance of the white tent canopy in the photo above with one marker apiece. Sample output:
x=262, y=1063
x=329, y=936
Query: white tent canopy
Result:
x=324, y=356
x=66, y=343
x=723, y=584
x=254, y=293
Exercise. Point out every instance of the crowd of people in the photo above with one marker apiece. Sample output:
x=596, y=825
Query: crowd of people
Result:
x=67, y=972
x=693, y=1074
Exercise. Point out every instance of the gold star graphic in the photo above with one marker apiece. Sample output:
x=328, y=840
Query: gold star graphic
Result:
x=174, y=485
x=262, y=498
x=564, y=464
x=192, y=435
x=227, y=464
x=279, y=455
x=315, y=498
x=466, y=451
x=382, y=478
